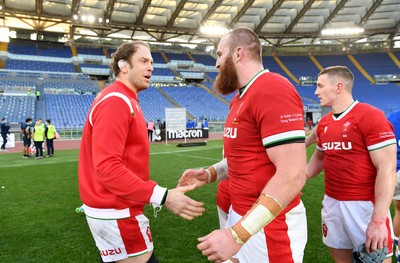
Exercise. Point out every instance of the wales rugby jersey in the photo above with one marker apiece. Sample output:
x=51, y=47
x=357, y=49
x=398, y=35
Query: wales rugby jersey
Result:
x=114, y=154
x=346, y=141
x=267, y=112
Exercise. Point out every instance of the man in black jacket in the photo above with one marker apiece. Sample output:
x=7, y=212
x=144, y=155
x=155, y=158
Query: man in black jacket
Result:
x=5, y=130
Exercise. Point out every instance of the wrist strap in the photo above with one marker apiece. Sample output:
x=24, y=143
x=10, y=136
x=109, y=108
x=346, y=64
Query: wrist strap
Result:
x=208, y=175
x=164, y=198
x=218, y=171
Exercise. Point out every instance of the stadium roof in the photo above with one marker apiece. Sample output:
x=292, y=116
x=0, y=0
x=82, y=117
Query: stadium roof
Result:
x=277, y=22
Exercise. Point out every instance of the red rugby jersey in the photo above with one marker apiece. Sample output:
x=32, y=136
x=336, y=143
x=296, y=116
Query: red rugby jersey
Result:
x=114, y=154
x=268, y=111
x=346, y=141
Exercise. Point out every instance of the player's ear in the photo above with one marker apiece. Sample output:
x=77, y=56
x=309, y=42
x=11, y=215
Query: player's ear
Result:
x=339, y=87
x=238, y=54
x=122, y=65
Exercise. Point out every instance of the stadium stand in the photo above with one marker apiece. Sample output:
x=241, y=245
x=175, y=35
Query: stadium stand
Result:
x=153, y=104
x=177, y=56
x=67, y=94
x=39, y=65
x=204, y=59
x=198, y=102
x=67, y=111
x=17, y=108
x=300, y=66
x=158, y=58
x=90, y=51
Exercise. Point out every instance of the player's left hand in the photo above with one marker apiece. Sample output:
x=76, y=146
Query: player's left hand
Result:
x=198, y=177
x=377, y=236
x=219, y=245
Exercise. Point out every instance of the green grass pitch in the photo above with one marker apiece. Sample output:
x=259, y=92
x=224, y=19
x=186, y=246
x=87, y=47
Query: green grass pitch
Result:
x=38, y=222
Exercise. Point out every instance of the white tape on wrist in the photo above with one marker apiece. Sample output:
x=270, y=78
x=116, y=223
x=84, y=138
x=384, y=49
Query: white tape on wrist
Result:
x=222, y=169
x=208, y=176
x=257, y=219
x=264, y=210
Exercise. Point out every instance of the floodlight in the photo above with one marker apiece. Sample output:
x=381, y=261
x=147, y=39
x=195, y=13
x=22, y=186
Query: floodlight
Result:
x=213, y=30
x=90, y=18
x=4, y=34
x=345, y=31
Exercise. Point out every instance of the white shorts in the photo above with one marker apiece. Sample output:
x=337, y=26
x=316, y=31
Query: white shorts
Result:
x=222, y=218
x=396, y=195
x=119, y=239
x=344, y=223
x=282, y=240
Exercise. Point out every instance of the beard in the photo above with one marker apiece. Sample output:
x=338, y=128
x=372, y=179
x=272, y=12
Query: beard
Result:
x=226, y=81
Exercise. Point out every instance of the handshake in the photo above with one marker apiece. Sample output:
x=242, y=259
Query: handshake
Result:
x=178, y=203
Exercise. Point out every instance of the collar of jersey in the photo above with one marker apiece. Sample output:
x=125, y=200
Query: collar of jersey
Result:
x=251, y=81
x=352, y=105
x=129, y=90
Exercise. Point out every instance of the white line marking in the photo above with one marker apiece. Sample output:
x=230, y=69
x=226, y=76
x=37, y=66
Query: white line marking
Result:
x=178, y=152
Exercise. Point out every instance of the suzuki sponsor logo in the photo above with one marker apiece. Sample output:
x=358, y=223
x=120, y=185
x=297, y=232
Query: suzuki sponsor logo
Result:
x=110, y=252
x=230, y=132
x=337, y=146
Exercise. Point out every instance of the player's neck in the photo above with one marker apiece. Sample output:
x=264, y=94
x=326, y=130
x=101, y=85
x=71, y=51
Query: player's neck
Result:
x=248, y=72
x=342, y=105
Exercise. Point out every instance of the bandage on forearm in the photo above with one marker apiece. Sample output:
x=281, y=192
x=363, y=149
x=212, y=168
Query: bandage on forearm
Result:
x=218, y=171
x=264, y=210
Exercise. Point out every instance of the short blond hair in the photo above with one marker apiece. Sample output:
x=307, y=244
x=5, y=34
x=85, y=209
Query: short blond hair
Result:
x=340, y=71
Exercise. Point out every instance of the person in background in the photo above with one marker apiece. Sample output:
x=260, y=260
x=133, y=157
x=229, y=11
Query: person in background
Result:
x=50, y=132
x=189, y=124
x=309, y=124
x=150, y=129
x=5, y=131
x=38, y=138
x=204, y=124
x=356, y=149
x=37, y=95
x=159, y=131
x=394, y=119
x=114, y=178
x=26, y=136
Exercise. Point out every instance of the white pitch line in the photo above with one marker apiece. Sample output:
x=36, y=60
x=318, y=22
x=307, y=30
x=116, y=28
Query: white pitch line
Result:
x=197, y=157
x=38, y=162
x=188, y=150
x=41, y=162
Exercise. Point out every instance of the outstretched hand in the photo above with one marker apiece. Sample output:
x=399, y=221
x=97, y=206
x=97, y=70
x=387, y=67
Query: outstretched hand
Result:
x=180, y=204
x=197, y=177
